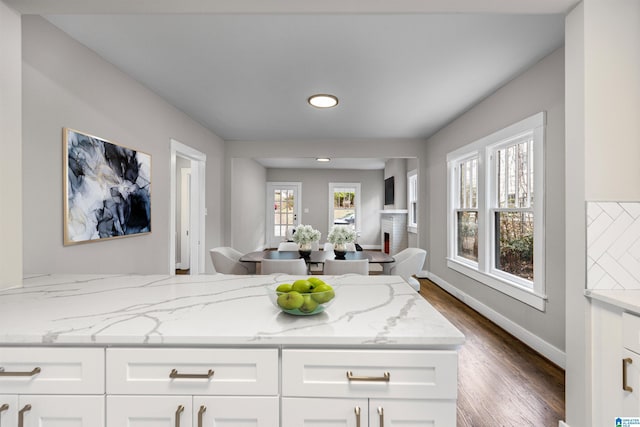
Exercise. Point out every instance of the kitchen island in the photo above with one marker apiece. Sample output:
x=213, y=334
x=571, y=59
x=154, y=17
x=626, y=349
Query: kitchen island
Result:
x=213, y=350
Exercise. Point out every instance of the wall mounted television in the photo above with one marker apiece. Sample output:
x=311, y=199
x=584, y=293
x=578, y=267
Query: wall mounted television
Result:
x=389, y=186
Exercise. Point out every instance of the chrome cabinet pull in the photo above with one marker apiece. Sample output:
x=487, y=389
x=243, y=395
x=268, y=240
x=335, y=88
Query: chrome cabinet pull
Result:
x=31, y=373
x=174, y=374
x=201, y=412
x=381, y=413
x=357, y=411
x=625, y=386
x=385, y=377
x=21, y=415
x=179, y=412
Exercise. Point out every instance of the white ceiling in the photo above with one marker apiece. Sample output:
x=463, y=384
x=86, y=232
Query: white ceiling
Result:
x=245, y=68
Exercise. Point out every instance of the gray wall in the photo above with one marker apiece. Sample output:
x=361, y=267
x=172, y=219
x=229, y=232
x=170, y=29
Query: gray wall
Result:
x=541, y=88
x=248, y=189
x=11, y=143
x=315, y=197
x=397, y=168
x=68, y=85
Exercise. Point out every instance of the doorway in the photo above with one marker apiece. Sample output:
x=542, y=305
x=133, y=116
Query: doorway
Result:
x=283, y=210
x=187, y=218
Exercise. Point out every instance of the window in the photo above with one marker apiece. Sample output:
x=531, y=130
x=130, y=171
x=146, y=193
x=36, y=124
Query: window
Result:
x=344, y=205
x=412, y=201
x=496, y=222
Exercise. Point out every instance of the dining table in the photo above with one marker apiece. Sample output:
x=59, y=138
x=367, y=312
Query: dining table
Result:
x=318, y=257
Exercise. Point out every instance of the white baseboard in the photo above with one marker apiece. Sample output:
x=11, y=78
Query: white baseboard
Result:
x=371, y=247
x=549, y=351
x=563, y=424
x=424, y=274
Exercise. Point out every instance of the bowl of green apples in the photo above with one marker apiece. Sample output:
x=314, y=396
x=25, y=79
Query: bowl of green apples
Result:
x=303, y=297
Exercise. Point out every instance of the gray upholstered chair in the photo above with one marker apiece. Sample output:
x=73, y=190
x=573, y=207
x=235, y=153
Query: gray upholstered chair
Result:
x=226, y=260
x=285, y=266
x=336, y=267
x=407, y=263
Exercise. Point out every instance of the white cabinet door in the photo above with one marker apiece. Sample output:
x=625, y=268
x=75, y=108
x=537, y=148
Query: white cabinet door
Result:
x=630, y=375
x=146, y=411
x=411, y=413
x=321, y=412
x=235, y=411
x=8, y=410
x=61, y=411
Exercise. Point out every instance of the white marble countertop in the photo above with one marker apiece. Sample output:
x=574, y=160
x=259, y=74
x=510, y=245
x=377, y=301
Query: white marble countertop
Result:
x=216, y=310
x=626, y=299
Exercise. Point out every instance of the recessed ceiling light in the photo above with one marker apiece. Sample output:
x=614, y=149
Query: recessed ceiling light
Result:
x=322, y=100
x=323, y=159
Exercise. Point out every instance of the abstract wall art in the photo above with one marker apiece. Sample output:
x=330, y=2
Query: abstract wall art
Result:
x=107, y=189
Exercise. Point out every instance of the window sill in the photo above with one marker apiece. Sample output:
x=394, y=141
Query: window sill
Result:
x=411, y=229
x=527, y=296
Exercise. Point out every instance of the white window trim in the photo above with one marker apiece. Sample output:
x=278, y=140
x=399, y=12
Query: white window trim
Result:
x=412, y=223
x=356, y=185
x=482, y=271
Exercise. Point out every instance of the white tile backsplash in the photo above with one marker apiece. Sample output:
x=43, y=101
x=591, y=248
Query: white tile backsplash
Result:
x=613, y=245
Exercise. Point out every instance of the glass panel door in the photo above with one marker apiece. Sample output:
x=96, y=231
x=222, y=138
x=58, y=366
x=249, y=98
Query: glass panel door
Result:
x=282, y=211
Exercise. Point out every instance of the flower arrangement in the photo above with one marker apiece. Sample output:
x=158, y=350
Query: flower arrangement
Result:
x=341, y=234
x=305, y=234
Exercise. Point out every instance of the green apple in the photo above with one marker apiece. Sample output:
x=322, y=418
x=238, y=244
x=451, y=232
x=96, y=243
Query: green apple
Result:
x=290, y=300
x=315, y=281
x=285, y=287
x=301, y=285
x=309, y=304
x=323, y=293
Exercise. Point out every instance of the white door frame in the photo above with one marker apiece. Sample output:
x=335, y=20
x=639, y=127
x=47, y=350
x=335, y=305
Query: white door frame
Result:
x=198, y=209
x=269, y=206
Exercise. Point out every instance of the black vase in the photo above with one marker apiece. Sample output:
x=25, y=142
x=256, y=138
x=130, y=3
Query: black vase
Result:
x=304, y=254
x=340, y=254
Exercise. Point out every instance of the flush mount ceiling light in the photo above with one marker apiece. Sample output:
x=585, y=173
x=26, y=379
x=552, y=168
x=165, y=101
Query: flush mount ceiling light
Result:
x=323, y=159
x=323, y=100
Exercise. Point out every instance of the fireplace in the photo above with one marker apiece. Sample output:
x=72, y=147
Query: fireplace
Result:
x=393, y=230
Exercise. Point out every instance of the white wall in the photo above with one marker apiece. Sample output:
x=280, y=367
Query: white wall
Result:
x=68, y=85
x=11, y=143
x=541, y=88
x=248, y=204
x=315, y=197
x=602, y=134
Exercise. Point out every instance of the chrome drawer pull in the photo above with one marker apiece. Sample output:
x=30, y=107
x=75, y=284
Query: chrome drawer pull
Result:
x=357, y=411
x=4, y=407
x=381, y=413
x=179, y=412
x=31, y=373
x=174, y=374
x=385, y=377
x=625, y=386
x=21, y=415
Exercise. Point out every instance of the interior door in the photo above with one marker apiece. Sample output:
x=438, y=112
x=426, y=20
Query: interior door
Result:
x=283, y=210
x=185, y=219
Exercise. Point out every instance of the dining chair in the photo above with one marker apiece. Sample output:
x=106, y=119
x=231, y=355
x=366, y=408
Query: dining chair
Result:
x=328, y=246
x=285, y=266
x=337, y=267
x=406, y=263
x=226, y=260
x=287, y=246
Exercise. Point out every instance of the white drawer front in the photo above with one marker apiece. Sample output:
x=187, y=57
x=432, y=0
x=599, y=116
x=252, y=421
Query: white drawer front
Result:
x=412, y=374
x=234, y=371
x=61, y=370
x=631, y=332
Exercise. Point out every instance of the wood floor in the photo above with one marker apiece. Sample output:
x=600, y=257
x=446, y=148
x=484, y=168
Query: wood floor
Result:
x=501, y=381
